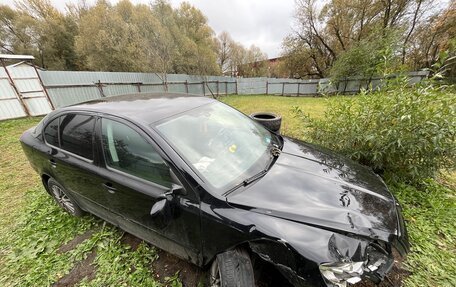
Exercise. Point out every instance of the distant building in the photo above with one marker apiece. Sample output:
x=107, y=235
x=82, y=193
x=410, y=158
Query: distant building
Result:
x=271, y=68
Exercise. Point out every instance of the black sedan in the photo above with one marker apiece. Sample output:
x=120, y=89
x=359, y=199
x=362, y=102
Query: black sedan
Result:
x=203, y=181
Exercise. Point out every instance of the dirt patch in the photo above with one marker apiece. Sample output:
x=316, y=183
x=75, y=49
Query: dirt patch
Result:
x=131, y=240
x=83, y=269
x=75, y=241
x=167, y=265
x=190, y=275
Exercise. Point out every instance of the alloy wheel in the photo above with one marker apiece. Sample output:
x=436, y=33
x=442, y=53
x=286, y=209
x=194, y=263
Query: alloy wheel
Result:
x=62, y=199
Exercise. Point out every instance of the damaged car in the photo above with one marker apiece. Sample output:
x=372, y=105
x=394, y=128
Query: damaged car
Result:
x=208, y=184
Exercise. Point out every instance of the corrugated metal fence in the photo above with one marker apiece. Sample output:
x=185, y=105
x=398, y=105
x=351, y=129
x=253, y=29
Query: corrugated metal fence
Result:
x=66, y=88
x=21, y=92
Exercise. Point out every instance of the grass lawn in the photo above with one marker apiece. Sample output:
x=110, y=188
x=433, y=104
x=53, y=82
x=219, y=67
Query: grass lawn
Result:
x=40, y=245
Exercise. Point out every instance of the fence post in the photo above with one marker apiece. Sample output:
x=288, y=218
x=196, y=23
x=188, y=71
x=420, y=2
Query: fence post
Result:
x=217, y=88
x=237, y=87
x=186, y=86
x=267, y=87
x=299, y=85
x=138, y=85
x=99, y=85
x=44, y=89
x=360, y=84
x=226, y=88
x=165, y=82
x=204, y=88
x=283, y=88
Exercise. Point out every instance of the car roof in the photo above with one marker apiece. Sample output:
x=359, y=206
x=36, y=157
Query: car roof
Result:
x=146, y=108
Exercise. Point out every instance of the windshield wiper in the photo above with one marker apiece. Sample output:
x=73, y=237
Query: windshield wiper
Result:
x=275, y=152
x=255, y=177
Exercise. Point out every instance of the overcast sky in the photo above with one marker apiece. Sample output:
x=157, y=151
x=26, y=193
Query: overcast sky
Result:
x=263, y=23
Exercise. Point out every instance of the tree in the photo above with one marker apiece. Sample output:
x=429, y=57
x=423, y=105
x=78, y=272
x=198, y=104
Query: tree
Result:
x=108, y=40
x=367, y=58
x=43, y=31
x=434, y=40
x=120, y=37
x=200, y=50
x=224, y=44
x=235, y=60
x=325, y=32
x=255, y=63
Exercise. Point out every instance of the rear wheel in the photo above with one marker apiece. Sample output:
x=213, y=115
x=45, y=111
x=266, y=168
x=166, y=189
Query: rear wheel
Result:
x=63, y=200
x=232, y=269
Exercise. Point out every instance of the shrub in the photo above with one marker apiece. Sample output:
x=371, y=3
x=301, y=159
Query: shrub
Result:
x=406, y=132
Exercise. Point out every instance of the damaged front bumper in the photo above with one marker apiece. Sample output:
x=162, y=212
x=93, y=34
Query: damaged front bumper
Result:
x=346, y=259
x=377, y=265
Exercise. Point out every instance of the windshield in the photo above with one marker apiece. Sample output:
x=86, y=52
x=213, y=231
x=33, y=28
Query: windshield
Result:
x=223, y=145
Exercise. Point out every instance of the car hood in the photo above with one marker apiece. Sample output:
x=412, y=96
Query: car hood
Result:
x=310, y=185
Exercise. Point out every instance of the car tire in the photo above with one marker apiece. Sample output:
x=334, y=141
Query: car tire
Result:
x=232, y=268
x=60, y=195
x=269, y=120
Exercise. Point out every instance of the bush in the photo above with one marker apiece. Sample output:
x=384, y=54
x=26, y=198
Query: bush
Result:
x=406, y=132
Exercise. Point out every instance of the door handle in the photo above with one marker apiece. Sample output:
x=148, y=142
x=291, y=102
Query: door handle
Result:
x=109, y=187
x=52, y=162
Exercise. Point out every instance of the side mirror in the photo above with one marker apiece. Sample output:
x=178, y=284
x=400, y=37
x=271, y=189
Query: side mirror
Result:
x=177, y=189
x=159, y=207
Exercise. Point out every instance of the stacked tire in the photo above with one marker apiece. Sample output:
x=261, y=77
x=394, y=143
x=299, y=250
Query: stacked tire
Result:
x=269, y=120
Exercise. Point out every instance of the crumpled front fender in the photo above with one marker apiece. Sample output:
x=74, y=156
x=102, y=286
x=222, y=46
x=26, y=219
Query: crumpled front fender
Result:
x=298, y=249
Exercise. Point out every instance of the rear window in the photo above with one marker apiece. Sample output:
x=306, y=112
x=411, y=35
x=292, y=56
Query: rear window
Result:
x=51, y=133
x=76, y=134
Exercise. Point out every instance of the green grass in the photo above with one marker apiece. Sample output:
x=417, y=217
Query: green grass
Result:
x=33, y=228
x=430, y=213
x=291, y=125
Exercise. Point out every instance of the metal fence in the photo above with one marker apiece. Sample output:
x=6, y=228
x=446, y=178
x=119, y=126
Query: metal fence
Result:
x=63, y=88
x=67, y=88
x=21, y=92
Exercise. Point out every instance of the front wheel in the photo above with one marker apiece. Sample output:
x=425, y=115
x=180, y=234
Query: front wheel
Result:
x=60, y=196
x=232, y=269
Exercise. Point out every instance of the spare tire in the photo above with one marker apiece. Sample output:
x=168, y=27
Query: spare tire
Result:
x=270, y=120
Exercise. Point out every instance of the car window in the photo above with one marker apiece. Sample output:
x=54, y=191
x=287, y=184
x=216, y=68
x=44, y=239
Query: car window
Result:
x=51, y=133
x=76, y=134
x=222, y=144
x=127, y=151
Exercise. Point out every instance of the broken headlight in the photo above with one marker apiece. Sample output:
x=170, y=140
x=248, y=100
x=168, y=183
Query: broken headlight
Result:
x=341, y=273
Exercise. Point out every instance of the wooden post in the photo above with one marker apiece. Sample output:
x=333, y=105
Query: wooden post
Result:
x=186, y=86
x=283, y=88
x=299, y=85
x=138, y=86
x=226, y=88
x=18, y=94
x=267, y=87
x=237, y=87
x=217, y=88
x=204, y=88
